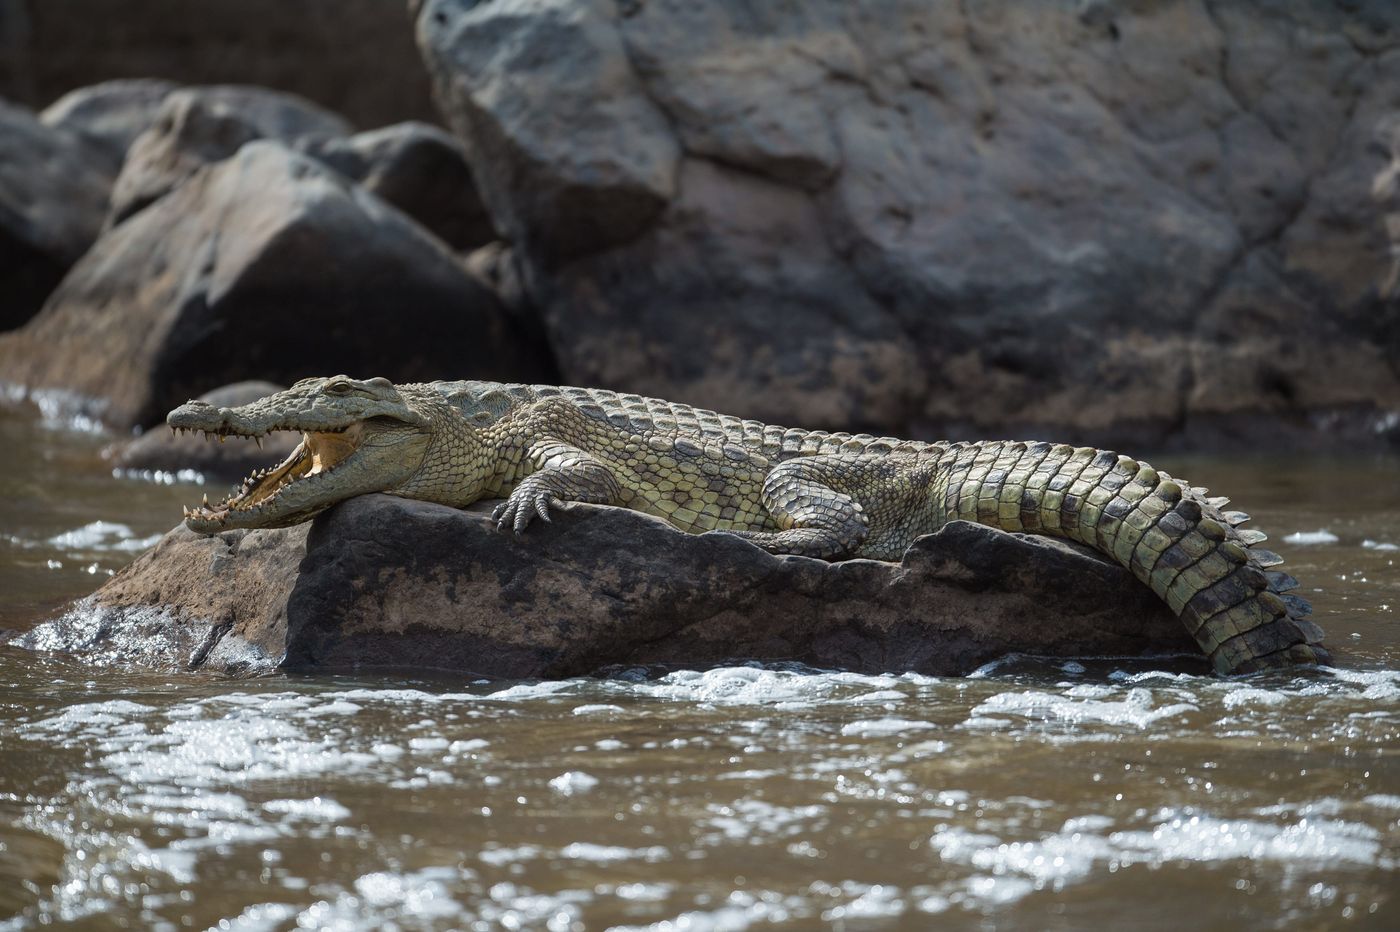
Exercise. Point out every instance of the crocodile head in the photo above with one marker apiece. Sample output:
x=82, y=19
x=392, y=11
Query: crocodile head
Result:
x=357, y=437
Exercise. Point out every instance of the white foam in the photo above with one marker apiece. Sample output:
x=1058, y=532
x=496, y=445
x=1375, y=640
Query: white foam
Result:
x=1318, y=842
x=870, y=728
x=1250, y=696
x=595, y=708
x=315, y=809
x=1382, y=800
x=1379, y=545
x=1057, y=859
x=573, y=782
x=603, y=854
x=1135, y=709
x=103, y=535
x=264, y=917
x=1310, y=538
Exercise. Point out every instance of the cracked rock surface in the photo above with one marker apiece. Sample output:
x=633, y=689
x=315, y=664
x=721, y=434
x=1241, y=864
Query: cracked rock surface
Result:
x=1125, y=224
x=380, y=582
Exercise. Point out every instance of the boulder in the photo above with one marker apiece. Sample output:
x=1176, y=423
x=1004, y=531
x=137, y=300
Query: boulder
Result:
x=161, y=450
x=111, y=114
x=270, y=266
x=571, y=154
x=420, y=169
x=1098, y=221
x=384, y=583
x=198, y=126
x=53, y=193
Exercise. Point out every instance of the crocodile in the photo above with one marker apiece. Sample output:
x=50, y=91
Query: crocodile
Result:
x=813, y=493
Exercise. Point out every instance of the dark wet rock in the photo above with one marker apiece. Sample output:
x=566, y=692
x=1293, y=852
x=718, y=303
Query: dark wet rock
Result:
x=53, y=194
x=111, y=114
x=198, y=126
x=216, y=603
x=951, y=219
x=159, y=449
x=389, y=583
x=420, y=169
x=267, y=265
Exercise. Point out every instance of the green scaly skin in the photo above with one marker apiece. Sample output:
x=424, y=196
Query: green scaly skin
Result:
x=827, y=495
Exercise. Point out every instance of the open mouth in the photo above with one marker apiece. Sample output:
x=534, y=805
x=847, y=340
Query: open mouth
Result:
x=318, y=455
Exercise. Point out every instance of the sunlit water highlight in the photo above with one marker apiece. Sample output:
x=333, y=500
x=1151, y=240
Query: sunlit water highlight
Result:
x=1032, y=794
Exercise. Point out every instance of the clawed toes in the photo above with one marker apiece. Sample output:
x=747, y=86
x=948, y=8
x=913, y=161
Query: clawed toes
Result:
x=519, y=510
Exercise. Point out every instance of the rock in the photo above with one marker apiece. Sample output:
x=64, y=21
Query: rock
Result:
x=420, y=169
x=190, y=602
x=53, y=193
x=512, y=78
x=232, y=460
x=198, y=126
x=354, y=57
x=267, y=265
x=390, y=583
x=1090, y=221
x=111, y=114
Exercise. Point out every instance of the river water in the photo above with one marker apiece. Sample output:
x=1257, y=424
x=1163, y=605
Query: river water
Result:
x=1033, y=794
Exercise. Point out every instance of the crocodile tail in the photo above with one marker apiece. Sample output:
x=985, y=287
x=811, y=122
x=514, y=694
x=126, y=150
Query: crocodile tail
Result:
x=1170, y=536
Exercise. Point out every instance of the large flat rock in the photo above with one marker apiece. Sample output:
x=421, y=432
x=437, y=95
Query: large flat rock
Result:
x=387, y=583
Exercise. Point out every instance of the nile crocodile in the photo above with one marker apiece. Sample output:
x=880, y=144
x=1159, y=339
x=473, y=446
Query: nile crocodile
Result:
x=807, y=492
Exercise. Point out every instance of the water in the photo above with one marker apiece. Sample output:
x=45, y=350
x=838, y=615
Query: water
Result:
x=1032, y=795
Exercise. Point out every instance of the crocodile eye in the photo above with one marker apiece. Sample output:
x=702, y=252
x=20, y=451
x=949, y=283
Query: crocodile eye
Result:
x=339, y=388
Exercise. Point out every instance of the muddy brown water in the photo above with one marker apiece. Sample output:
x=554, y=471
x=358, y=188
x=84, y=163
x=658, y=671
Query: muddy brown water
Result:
x=1035, y=794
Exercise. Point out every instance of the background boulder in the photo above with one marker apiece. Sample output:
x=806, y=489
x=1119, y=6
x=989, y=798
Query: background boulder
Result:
x=267, y=265
x=198, y=126
x=1143, y=224
x=111, y=114
x=420, y=169
x=388, y=583
x=53, y=194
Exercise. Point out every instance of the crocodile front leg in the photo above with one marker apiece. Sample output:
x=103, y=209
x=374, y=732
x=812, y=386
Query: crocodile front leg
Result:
x=563, y=473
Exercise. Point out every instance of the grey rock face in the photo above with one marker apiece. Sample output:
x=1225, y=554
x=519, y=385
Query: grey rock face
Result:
x=1142, y=222
x=198, y=126
x=388, y=583
x=420, y=169
x=232, y=460
x=571, y=154
x=267, y=265
x=53, y=193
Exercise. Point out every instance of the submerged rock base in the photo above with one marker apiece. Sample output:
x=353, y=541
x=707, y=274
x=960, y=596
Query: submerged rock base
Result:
x=386, y=583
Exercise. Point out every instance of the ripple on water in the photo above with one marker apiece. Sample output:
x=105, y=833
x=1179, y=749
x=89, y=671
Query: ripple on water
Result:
x=869, y=761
